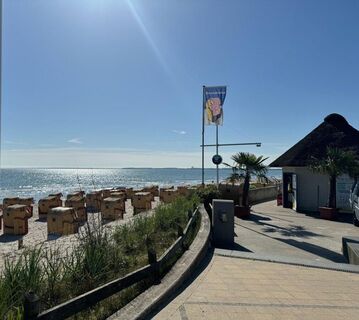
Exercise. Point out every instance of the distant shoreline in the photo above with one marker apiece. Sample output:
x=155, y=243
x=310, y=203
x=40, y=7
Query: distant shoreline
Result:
x=127, y=168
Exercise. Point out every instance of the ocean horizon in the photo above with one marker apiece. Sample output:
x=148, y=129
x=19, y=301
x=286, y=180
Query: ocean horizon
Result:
x=89, y=168
x=39, y=182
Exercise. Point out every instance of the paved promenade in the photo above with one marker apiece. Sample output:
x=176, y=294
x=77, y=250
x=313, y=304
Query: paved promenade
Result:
x=233, y=288
x=241, y=288
x=277, y=231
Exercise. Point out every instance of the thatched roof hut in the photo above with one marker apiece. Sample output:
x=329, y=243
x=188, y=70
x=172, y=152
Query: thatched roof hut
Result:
x=334, y=131
x=303, y=189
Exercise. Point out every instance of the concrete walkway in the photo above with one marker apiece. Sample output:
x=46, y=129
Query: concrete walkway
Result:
x=232, y=288
x=276, y=231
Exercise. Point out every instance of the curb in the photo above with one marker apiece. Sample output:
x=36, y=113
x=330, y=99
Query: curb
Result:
x=148, y=301
x=290, y=261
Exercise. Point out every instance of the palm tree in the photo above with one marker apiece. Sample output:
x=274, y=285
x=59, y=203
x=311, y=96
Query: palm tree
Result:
x=235, y=176
x=354, y=173
x=244, y=166
x=335, y=163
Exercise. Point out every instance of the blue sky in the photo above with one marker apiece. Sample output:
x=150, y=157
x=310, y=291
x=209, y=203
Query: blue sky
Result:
x=101, y=83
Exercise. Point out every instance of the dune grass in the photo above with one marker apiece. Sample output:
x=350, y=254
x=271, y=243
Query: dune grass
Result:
x=98, y=257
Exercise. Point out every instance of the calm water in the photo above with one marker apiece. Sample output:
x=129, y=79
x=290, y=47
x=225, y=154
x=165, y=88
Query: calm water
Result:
x=40, y=182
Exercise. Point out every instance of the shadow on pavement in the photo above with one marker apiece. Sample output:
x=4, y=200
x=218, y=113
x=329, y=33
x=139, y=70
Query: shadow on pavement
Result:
x=315, y=249
x=290, y=231
x=305, y=246
x=271, y=217
x=343, y=217
x=257, y=218
x=236, y=247
x=200, y=268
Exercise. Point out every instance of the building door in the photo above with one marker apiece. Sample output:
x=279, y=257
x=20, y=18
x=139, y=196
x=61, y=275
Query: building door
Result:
x=294, y=191
x=290, y=190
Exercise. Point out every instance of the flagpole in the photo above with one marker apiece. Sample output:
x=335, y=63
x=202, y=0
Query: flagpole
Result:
x=217, y=153
x=203, y=107
x=1, y=72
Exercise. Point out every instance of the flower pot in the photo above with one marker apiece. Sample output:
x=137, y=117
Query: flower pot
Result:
x=242, y=212
x=328, y=213
x=279, y=199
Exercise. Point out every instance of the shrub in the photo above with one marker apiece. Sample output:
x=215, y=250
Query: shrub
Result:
x=19, y=277
x=98, y=257
x=206, y=194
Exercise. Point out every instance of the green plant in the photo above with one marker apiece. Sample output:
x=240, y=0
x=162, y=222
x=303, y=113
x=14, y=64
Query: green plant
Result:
x=19, y=277
x=244, y=166
x=53, y=272
x=335, y=163
x=98, y=257
x=353, y=172
x=207, y=193
x=95, y=248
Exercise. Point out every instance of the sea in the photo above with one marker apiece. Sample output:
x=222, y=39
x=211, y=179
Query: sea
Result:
x=38, y=183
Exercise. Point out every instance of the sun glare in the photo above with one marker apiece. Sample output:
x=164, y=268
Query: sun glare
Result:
x=148, y=37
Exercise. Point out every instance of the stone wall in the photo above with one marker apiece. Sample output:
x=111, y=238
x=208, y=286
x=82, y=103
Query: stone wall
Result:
x=260, y=194
x=231, y=192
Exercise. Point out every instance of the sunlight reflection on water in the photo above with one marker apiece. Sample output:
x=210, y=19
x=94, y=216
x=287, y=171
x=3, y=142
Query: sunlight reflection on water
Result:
x=40, y=182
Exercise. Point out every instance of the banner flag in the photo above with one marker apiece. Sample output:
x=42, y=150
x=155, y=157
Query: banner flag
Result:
x=213, y=104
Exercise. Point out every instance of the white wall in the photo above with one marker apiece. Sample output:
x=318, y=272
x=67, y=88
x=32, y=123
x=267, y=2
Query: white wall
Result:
x=312, y=188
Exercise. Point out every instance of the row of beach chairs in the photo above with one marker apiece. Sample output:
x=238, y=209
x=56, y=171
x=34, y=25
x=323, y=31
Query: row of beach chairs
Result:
x=64, y=220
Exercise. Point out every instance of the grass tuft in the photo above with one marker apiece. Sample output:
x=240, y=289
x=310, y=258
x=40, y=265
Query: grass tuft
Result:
x=98, y=257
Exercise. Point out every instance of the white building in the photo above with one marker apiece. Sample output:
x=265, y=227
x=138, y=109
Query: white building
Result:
x=304, y=190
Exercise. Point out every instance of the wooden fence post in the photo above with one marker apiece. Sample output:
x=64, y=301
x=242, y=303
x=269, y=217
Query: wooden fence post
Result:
x=152, y=256
x=179, y=231
x=31, y=305
x=152, y=260
x=189, y=214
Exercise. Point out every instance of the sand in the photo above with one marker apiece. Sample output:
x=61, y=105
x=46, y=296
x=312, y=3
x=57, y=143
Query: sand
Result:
x=37, y=235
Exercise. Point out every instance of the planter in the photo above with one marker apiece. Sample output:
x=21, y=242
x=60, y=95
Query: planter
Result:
x=328, y=213
x=242, y=212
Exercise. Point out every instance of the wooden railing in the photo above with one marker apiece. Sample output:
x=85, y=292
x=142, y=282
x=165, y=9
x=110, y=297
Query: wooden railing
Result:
x=155, y=270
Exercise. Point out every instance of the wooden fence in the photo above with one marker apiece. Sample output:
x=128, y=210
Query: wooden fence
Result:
x=155, y=270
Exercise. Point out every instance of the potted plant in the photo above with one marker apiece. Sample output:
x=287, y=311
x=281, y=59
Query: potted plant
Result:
x=245, y=165
x=335, y=163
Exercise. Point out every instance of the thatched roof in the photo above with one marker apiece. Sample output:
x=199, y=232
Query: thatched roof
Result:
x=334, y=131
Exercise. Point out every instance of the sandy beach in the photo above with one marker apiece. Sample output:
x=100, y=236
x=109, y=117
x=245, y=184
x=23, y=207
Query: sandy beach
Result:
x=37, y=235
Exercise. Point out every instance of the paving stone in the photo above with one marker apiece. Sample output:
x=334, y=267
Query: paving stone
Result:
x=307, y=293
x=276, y=231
